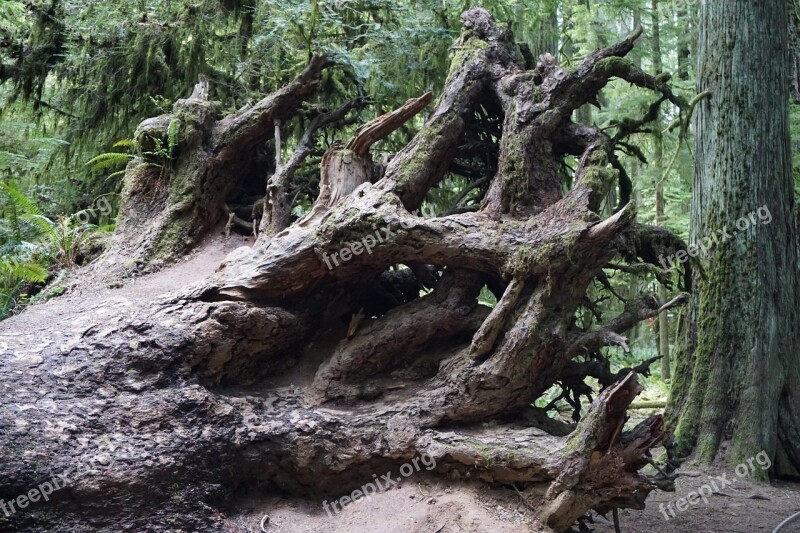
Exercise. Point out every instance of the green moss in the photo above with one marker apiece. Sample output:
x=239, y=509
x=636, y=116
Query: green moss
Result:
x=707, y=447
x=610, y=66
x=515, y=181
x=465, y=50
x=174, y=237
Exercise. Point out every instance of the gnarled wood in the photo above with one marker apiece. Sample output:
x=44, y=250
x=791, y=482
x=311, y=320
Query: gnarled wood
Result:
x=174, y=196
x=312, y=360
x=344, y=169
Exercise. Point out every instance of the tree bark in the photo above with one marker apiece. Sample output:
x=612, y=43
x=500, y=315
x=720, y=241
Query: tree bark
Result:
x=737, y=385
x=662, y=343
x=192, y=162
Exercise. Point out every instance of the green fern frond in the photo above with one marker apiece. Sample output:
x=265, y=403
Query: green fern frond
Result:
x=43, y=225
x=173, y=131
x=127, y=143
x=25, y=205
x=108, y=160
x=115, y=174
x=19, y=207
x=14, y=271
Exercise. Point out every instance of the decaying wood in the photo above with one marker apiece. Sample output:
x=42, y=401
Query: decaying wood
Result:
x=344, y=169
x=380, y=128
x=169, y=204
x=277, y=207
x=293, y=368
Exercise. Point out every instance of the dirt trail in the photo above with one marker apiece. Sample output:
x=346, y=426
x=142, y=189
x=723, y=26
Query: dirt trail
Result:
x=94, y=296
x=426, y=505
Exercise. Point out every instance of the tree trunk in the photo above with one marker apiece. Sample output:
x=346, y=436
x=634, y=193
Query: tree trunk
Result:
x=547, y=32
x=662, y=343
x=737, y=387
x=310, y=361
x=684, y=29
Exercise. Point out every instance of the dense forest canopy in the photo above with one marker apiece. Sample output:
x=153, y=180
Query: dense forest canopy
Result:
x=77, y=79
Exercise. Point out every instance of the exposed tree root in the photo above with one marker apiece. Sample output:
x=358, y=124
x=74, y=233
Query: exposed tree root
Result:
x=311, y=361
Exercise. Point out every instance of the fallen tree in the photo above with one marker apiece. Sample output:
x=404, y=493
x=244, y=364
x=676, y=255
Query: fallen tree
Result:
x=310, y=361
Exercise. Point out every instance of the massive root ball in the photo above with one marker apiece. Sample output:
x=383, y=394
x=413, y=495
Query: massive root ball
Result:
x=285, y=369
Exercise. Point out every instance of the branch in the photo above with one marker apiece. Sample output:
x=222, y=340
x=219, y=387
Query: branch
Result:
x=278, y=185
x=295, y=260
x=243, y=131
x=654, y=245
x=380, y=127
x=603, y=456
x=484, y=339
x=609, y=334
x=233, y=218
x=425, y=160
x=620, y=49
x=629, y=126
x=463, y=194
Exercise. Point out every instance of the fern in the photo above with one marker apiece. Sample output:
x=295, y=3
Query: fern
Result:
x=173, y=130
x=19, y=207
x=127, y=143
x=13, y=271
x=8, y=299
x=15, y=276
x=60, y=239
x=19, y=200
x=68, y=236
x=44, y=226
x=108, y=160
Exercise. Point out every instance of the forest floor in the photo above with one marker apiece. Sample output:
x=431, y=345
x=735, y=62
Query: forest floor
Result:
x=422, y=503
x=436, y=506
x=91, y=296
x=426, y=504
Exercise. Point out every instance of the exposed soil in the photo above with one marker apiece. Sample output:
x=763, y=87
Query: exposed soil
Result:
x=93, y=294
x=430, y=505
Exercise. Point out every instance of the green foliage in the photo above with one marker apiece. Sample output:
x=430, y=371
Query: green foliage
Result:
x=114, y=160
x=59, y=240
x=64, y=237
x=108, y=160
x=15, y=275
x=31, y=243
x=164, y=150
x=13, y=271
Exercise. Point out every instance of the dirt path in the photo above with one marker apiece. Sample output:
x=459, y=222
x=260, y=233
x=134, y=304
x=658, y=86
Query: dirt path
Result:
x=427, y=505
x=60, y=321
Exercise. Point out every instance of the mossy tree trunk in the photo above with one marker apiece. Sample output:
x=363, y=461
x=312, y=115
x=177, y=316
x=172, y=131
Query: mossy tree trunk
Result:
x=736, y=387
